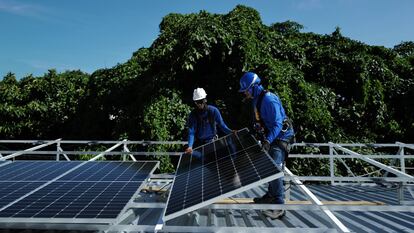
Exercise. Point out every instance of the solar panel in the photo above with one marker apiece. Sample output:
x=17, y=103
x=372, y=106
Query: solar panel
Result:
x=35, y=170
x=217, y=170
x=98, y=190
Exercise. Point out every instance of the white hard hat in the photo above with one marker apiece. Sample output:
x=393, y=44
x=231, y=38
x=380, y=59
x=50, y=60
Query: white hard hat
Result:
x=199, y=94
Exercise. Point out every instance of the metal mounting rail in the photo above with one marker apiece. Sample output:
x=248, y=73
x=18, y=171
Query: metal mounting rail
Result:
x=108, y=150
x=338, y=224
x=373, y=162
x=29, y=150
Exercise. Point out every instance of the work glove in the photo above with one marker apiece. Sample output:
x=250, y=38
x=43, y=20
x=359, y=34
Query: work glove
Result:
x=189, y=150
x=266, y=145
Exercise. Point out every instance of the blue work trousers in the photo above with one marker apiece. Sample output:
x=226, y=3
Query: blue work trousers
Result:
x=276, y=187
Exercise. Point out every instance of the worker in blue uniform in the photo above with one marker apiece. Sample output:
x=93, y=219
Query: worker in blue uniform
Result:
x=276, y=133
x=203, y=122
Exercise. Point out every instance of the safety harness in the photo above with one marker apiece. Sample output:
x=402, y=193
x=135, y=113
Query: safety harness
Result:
x=259, y=125
x=261, y=130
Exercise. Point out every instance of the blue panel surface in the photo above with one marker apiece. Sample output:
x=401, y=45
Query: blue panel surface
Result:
x=11, y=191
x=111, y=171
x=74, y=200
x=218, y=168
x=35, y=170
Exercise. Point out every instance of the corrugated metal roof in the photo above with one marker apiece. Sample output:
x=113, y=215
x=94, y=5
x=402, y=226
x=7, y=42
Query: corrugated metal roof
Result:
x=357, y=221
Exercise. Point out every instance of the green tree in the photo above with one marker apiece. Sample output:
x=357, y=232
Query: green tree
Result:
x=165, y=120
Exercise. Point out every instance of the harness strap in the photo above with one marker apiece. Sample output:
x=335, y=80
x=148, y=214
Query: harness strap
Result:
x=258, y=116
x=286, y=124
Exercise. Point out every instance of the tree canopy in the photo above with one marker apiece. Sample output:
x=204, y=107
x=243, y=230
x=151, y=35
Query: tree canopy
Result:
x=334, y=88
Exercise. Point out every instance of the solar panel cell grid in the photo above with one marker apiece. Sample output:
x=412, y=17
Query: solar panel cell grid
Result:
x=11, y=191
x=75, y=200
x=111, y=171
x=217, y=169
x=34, y=170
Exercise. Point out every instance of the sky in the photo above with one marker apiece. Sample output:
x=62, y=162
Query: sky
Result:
x=86, y=35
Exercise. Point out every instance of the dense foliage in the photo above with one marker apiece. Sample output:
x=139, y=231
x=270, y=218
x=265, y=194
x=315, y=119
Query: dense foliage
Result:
x=334, y=88
x=164, y=118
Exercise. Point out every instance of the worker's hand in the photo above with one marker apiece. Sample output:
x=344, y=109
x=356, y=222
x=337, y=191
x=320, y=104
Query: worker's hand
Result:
x=234, y=131
x=189, y=150
x=266, y=145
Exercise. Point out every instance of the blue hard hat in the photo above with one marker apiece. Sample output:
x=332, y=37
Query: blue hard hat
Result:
x=248, y=80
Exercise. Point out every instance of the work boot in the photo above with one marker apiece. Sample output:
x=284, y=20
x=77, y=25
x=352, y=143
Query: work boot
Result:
x=274, y=214
x=265, y=199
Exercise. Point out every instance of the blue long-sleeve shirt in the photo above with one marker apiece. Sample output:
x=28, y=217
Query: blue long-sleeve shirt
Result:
x=204, y=130
x=272, y=114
